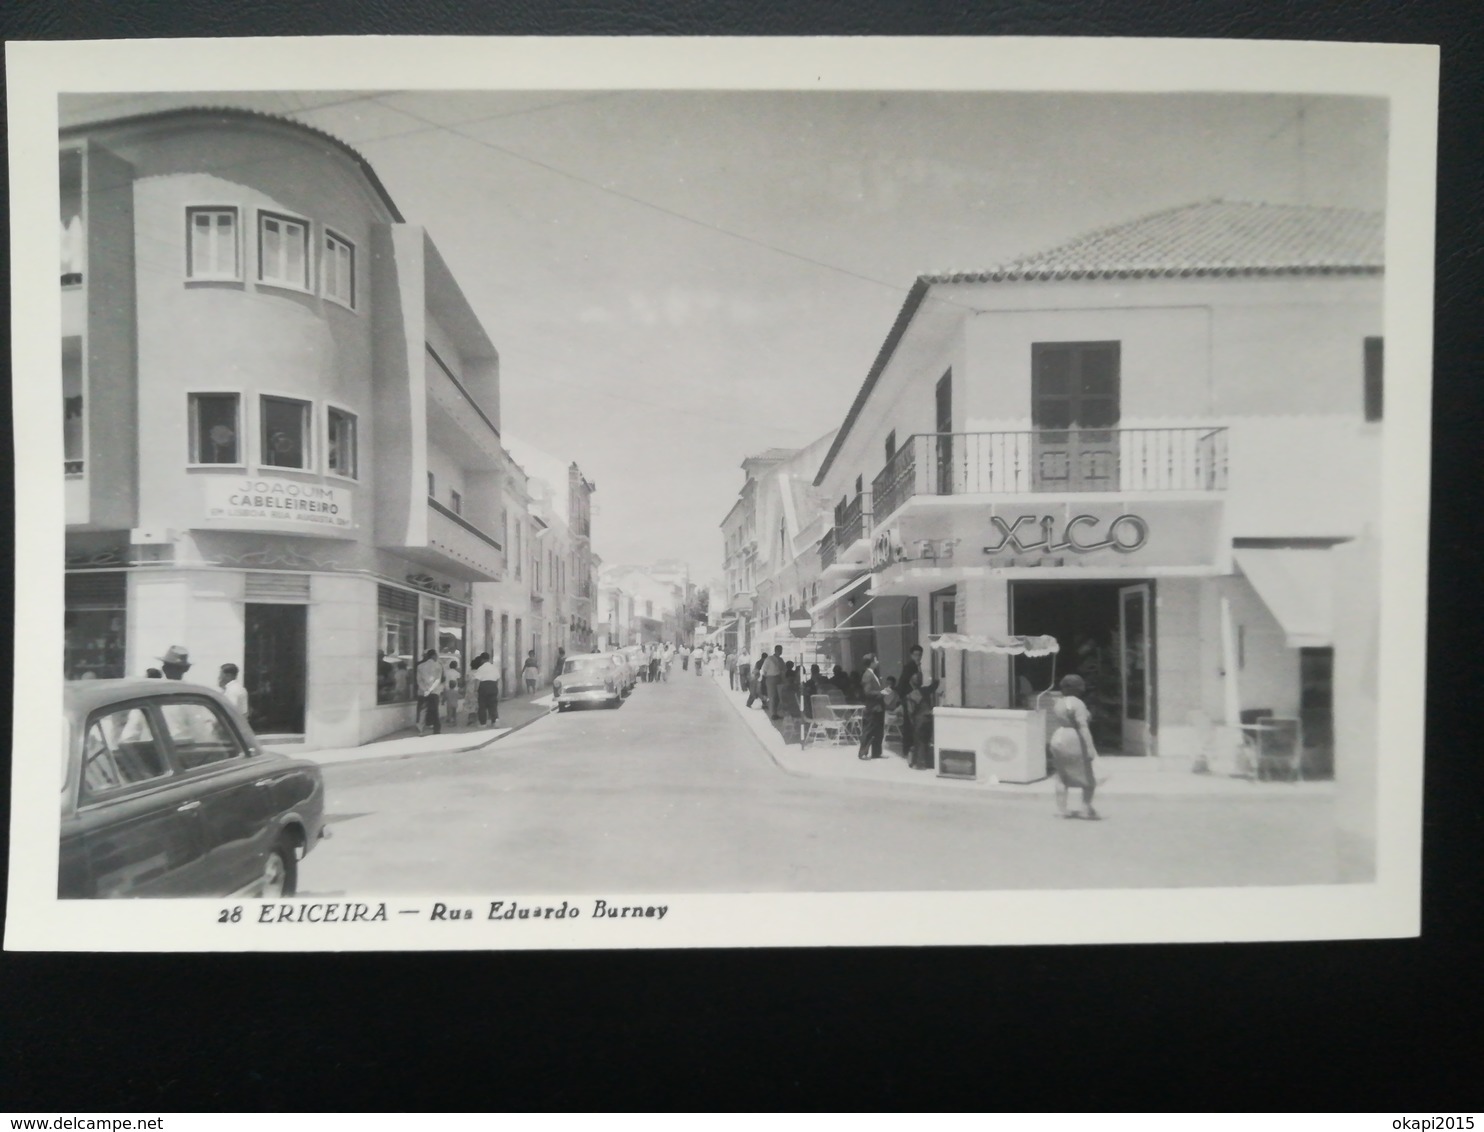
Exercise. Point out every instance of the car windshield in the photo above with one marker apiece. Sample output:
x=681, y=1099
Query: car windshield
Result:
x=584, y=663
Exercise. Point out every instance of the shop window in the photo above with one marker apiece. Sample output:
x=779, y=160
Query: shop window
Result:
x=212, y=244
x=285, y=433
x=283, y=251
x=340, y=452
x=72, y=404
x=215, y=428
x=1373, y=383
x=338, y=270
x=94, y=624
x=396, y=656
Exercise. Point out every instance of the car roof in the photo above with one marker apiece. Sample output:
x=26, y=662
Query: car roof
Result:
x=84, y=695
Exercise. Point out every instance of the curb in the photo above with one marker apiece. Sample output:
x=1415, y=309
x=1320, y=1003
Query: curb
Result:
x=434, y=754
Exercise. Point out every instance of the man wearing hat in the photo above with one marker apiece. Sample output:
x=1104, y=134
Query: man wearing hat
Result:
x=175, y=663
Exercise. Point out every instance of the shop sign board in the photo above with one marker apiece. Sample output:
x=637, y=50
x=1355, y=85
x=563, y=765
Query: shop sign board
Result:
x=270, y=499
x=886, y=548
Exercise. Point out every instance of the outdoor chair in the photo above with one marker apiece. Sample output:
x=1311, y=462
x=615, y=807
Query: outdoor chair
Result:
x=893, y=727
x=823, y=722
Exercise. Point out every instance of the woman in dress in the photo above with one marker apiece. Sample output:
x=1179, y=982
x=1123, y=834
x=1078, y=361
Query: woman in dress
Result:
x=1072, y=752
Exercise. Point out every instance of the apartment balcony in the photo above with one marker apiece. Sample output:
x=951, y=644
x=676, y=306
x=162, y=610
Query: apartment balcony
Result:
x=851, y=537
x=1070, y=462
x=457, y=547
x=827, y=549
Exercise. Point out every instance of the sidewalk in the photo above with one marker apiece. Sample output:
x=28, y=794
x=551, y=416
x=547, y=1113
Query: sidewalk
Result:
x=1120, y=777
x=515, y=713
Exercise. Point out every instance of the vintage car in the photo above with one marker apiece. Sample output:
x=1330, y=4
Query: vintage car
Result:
x=590, y=678
x=166, y=791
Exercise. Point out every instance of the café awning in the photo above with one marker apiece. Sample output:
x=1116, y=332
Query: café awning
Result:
x=843, y=592
x=1296, y=585
x=1005, y=646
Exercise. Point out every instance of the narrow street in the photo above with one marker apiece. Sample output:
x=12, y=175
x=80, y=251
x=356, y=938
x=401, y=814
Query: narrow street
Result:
x=672, y=793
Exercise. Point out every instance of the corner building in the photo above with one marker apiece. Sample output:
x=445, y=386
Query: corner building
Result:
x=1146, y=443
x=282, y=421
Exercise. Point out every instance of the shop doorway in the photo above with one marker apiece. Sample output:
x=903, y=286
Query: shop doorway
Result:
x=1106, y=634
x=275, y=663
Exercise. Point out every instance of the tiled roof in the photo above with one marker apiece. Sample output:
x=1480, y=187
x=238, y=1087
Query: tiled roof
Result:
x=1210, y=238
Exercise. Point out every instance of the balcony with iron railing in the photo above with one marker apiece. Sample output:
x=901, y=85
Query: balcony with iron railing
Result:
x=1071, y=461
x=853, y=521
x=827, y=549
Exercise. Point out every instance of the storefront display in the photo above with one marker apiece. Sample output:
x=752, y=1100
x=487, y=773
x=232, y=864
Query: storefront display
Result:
x=94, y=625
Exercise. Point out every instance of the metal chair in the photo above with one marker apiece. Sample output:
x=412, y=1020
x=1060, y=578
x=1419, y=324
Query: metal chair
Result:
x=822, y=722
x=893, y=728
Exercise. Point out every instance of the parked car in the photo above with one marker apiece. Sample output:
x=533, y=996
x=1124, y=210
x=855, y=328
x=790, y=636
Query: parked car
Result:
x=589, y=678
x=166, y=791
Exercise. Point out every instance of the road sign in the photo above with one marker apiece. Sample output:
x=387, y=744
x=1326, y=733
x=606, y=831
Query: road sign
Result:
x=800, y=624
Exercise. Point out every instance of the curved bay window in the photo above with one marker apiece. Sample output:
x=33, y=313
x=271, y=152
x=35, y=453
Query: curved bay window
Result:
x=396, y=656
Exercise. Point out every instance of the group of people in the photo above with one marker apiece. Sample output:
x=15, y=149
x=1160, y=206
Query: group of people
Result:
x=786, y=690
x=444, y=694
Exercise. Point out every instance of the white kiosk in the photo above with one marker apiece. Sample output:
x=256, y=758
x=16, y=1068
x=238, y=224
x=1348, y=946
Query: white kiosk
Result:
x=990, y=745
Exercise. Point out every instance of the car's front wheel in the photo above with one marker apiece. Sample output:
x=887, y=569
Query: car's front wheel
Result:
x=280, y=871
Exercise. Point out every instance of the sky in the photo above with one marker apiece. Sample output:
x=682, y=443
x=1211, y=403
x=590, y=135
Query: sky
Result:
x=674, y=280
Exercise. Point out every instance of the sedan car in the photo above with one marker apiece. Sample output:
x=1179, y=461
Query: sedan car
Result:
x=590, y=678
x=167, y=792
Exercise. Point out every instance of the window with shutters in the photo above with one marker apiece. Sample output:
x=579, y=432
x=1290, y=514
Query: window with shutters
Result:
x=338, y=270
x=213, y=247
x=283, y=251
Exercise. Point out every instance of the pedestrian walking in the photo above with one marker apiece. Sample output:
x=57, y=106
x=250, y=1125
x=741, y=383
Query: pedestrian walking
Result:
x=429, y=692
x=1072, y=751
x=873, y=719
x=232, y=688
x=917, y=722
x=530, y=671
x=912, y=667
x=487, y=690
x=773, y=680
x=561, y=659
x=731, y=666
x=755, y=688
x=453, y=691
x=698, y=656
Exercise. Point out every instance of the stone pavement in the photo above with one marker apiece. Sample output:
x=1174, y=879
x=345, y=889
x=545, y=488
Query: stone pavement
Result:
x=1118, y=776
x=515, y=713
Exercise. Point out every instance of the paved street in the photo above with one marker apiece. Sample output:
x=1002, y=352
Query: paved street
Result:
x=672, y=792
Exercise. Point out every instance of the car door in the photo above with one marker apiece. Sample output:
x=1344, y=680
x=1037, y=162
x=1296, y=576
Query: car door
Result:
x=134, y=830
x=234, y=810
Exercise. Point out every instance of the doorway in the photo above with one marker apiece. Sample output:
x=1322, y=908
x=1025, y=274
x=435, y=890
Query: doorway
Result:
x=275, y=663
x=1106, y=634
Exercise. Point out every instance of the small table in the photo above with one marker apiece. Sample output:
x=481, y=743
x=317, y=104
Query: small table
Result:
x=849, y=716
x=1257, y=735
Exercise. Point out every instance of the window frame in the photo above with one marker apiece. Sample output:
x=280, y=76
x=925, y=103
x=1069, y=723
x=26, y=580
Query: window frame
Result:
x=456, y=501
x=86, y=799
x=329, y=236
x=306, y=288
x=192, y=438
x=1373, y=381
x=245, y=749
x=331, y=409
x=310, y=455
x=238, y=243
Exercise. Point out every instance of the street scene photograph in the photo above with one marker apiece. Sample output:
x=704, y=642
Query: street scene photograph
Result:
x=506, y=493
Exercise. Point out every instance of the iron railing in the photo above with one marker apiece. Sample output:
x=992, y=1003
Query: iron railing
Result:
x=853, y=521
x=1069, y=460
x=827, y=549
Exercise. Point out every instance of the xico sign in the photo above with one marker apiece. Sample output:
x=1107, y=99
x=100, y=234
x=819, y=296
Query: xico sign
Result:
x=278, y=501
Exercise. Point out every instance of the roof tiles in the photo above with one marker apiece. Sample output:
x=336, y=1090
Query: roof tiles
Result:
x=1209, y=238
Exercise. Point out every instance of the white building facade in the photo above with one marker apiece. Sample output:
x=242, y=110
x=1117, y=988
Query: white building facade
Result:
x=1146, y=444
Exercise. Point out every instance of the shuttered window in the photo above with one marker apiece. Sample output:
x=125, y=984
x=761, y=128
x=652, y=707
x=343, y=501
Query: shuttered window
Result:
x=277, y=588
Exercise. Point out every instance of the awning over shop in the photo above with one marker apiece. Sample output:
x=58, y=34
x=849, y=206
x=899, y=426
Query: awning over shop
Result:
x=844, y=591
x=1297, y=586
x=1005, y=646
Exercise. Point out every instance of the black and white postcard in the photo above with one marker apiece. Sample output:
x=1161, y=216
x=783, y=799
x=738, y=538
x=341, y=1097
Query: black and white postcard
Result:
x=541, y=494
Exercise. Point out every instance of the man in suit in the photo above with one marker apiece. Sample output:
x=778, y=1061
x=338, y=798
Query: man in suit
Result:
x=873, y=719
